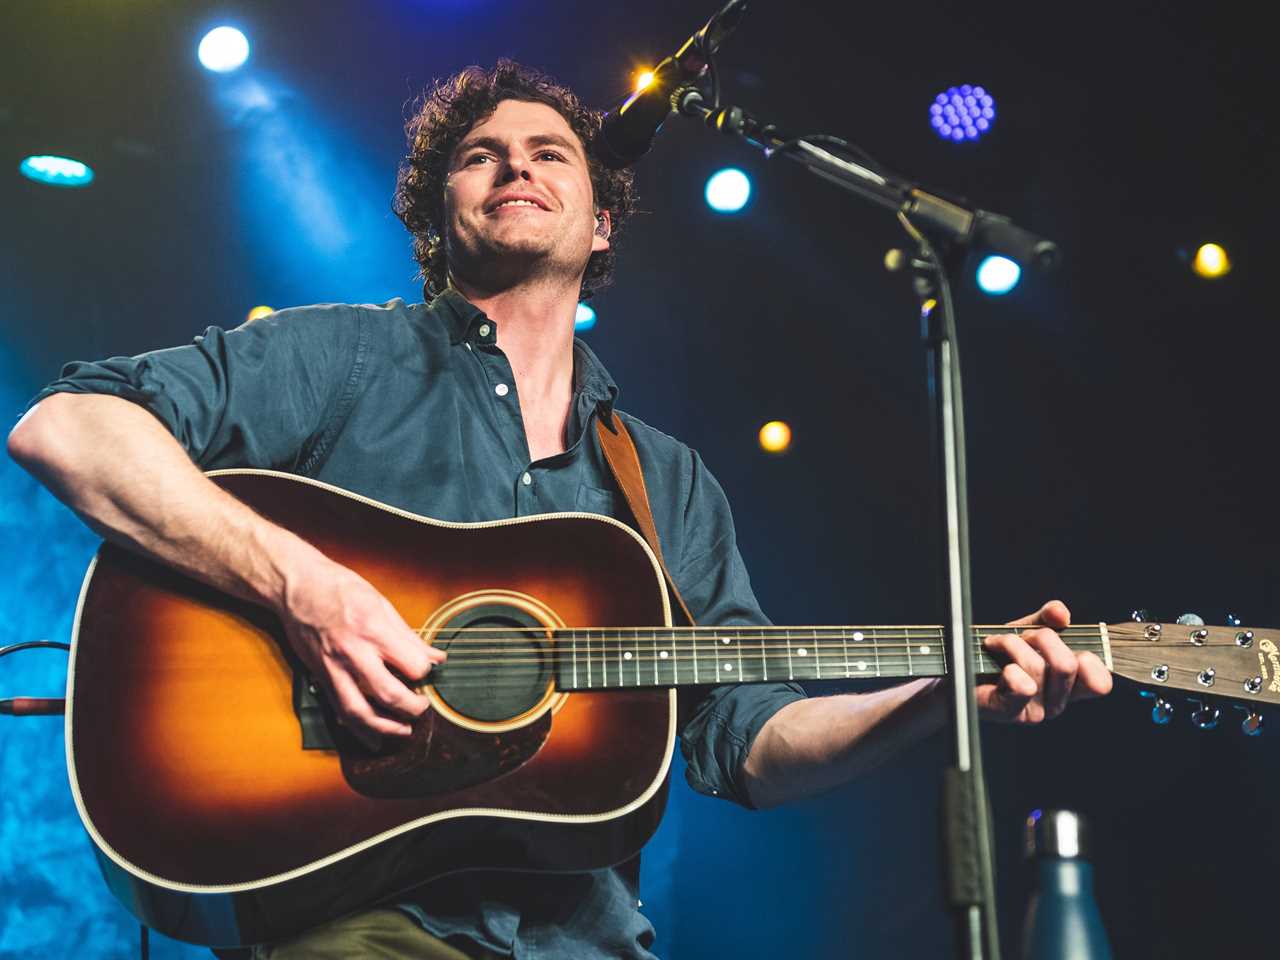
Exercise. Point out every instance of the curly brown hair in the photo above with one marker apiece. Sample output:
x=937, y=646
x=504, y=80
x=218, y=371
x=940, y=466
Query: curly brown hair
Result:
x=445, y=113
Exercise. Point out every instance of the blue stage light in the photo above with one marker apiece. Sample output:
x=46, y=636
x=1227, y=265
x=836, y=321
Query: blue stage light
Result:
x=57, y=171
x=728, y=190
x=998, y=275
x=585, y=318
x=962, y=113
x=223, y=49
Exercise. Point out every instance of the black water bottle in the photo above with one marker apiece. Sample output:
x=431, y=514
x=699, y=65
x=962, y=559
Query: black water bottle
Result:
x=1063, y=922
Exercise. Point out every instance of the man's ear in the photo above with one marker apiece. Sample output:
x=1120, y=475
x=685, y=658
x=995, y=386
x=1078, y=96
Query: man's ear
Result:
x=604, y=226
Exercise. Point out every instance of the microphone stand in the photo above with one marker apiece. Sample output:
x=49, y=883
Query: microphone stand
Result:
x=928, y=220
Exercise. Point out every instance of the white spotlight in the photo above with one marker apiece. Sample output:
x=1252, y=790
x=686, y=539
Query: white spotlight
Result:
x=223, y=49
x=728, y=190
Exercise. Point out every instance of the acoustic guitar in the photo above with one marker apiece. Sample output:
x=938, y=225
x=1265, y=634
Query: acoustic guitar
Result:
x=228, y=808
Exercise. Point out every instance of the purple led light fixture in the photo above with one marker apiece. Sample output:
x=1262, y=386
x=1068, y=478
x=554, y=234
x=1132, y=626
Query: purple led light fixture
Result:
x=962, y=113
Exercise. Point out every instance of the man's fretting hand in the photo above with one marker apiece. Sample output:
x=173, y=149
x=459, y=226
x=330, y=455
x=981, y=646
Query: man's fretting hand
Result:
x=1041, y=673
x=350, y=637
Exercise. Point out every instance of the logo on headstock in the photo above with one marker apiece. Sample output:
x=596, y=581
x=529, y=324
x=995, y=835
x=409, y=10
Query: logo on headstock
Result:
x=1267, y=653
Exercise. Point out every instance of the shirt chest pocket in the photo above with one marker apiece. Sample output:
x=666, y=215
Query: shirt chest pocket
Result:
x=595, y=500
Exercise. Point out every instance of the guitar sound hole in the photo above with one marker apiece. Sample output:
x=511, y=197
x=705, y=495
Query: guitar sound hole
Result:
x=498, y=667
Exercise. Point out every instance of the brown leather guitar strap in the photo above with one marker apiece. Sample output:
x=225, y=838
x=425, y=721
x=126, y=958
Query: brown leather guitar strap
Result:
x=620, y=452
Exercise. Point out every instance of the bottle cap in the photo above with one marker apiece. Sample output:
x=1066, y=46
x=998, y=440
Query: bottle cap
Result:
x=1056, y=833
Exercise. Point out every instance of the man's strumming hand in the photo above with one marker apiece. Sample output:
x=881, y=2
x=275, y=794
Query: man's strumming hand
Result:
x=355, y=643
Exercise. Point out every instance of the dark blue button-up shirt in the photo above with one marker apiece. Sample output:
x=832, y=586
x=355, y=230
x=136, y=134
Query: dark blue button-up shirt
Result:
x=415, y=406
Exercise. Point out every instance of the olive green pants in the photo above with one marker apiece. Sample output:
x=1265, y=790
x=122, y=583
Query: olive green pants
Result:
x=376, y=935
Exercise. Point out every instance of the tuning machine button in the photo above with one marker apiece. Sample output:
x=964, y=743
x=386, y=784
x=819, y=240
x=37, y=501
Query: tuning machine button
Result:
x=1251, y=725
x=1206, y=716
x=1252, y=685
x=1161, y=709
x=1244, y=638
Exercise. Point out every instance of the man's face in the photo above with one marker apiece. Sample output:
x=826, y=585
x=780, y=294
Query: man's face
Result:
x=518, y=199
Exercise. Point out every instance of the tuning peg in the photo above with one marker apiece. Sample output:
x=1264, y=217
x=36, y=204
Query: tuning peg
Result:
x=1191, y=620
x=1141, y=615
x=1233, y=620
x=1206, y=716
x=1161, y=709
x=1251, y=725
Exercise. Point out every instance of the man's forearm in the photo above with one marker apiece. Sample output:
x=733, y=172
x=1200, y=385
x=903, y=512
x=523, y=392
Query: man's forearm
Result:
x=120, y=470
x=810, y=746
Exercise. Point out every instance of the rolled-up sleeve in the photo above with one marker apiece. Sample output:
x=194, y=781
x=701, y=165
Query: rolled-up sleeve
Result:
x=270, y=393
x=720, y=724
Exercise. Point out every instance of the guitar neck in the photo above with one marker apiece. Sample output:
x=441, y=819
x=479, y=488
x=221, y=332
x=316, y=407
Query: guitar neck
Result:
x=598, y=659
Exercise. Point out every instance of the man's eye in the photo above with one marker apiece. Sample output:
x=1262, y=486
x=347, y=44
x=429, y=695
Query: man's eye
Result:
x=473, y=158
x=552, y=154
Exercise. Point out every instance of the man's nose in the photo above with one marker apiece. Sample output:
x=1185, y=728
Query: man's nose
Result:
x=515, y=167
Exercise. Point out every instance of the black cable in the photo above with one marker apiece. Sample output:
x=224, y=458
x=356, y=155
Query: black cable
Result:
x=34, y=644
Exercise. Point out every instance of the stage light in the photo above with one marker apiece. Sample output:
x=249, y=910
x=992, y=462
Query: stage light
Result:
x=728, y=190
x=962, y=113
x=775, y=437
x=1211, y=261
x=585, y=318
x=223, y=49
x=257, y=313
x=57, y=171
x=643, y=79
x=998, y=275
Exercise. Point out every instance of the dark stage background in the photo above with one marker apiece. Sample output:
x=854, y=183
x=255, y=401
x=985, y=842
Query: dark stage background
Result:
x=1121, y=412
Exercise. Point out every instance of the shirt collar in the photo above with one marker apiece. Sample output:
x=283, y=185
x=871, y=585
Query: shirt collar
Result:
x=458, y=313
x=590, y=378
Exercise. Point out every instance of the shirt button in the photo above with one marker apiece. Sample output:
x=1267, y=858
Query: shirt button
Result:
x=526, y=479
x=484, y=330
x=501, y=389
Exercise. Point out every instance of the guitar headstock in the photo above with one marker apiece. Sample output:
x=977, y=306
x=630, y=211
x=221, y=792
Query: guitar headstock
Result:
x=1236, y=662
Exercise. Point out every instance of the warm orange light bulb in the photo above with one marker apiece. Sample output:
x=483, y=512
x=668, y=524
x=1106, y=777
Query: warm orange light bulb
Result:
x=775, y=437
x=1211, y=261
x=643, y=79
x=258, y=312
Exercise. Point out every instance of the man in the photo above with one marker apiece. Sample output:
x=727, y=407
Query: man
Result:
x=476, y=405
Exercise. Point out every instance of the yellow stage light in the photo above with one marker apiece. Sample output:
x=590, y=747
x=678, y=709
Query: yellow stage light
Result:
x=643, y=79
x=257, y=313
x=775, y=437
x=1211, y=261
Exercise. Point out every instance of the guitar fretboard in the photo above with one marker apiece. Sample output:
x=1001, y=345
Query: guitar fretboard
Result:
x=589, y=659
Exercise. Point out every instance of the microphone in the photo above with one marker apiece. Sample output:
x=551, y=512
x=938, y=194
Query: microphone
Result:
x=627, y=133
